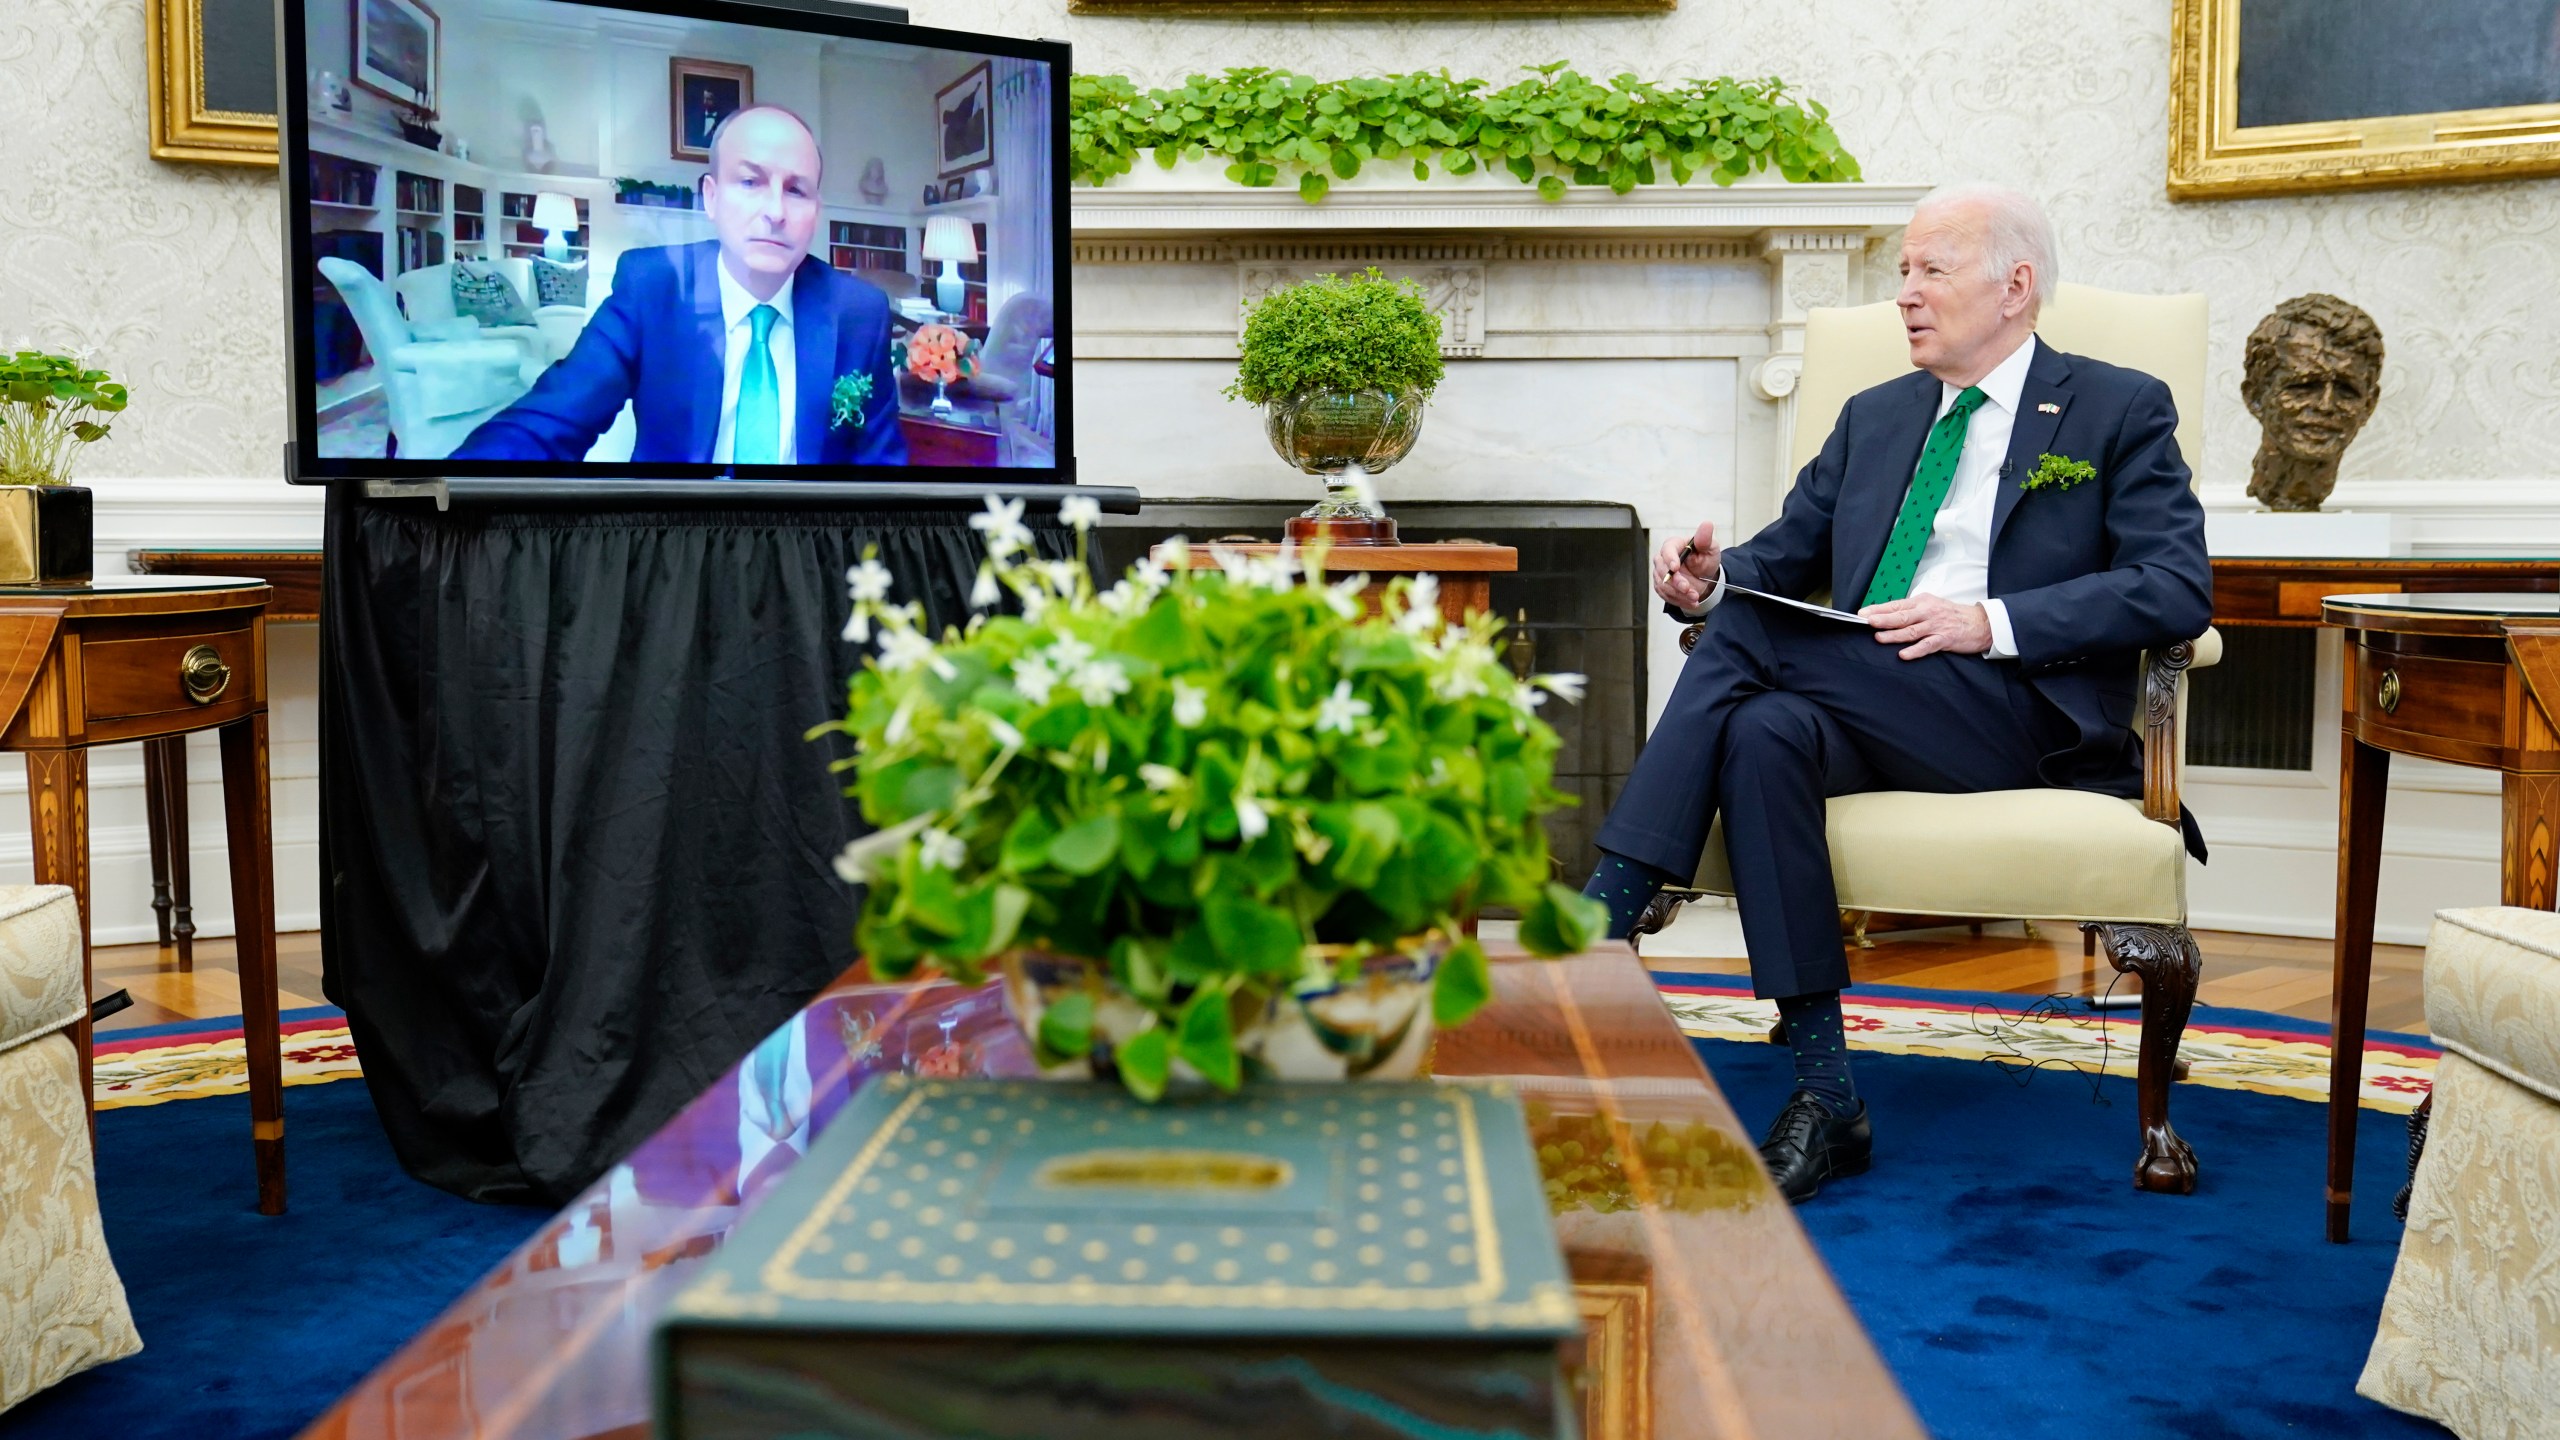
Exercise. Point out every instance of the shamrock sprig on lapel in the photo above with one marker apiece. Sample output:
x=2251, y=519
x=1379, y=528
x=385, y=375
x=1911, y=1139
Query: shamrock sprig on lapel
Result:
x=846, y=403
x=2059, y=472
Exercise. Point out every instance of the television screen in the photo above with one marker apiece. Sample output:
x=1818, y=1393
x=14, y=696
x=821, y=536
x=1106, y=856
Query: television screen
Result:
x=548, y=238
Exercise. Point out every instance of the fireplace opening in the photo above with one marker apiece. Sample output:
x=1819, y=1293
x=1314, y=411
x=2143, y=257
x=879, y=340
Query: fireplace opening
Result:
x=1579, y=598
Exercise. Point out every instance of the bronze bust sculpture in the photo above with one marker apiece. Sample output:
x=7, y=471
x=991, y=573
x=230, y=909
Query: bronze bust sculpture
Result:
x=2312, y=374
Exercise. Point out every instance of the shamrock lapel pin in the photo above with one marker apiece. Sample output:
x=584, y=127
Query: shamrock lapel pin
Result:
x=2060, y=472
x=845, y=404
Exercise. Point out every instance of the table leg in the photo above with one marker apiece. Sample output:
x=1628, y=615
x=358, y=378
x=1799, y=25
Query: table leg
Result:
x=155, y=791
x=58, y=819
x=253, y=910
x=2364, y=772
x=2525, y=858
x=173, y=769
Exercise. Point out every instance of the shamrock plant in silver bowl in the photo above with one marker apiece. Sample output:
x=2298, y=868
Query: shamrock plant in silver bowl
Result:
x=1210, y=824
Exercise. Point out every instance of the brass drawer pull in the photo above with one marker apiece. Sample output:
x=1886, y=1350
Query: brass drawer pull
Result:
x=2390, y=691
x=204, y=674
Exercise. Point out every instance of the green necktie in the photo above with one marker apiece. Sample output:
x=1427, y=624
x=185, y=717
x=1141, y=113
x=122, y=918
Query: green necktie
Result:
x=1920, y=504
x=757, y=440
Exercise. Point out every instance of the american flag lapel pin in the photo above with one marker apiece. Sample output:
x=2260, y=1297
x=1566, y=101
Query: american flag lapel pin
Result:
x=2048, y=408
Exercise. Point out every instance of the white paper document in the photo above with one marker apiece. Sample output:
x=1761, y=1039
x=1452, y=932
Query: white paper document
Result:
x=1807, y=606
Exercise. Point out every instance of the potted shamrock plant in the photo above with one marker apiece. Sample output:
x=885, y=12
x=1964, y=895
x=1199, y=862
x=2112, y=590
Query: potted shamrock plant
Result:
x=50, y=406
x=1210, y=825
x=1342, y=368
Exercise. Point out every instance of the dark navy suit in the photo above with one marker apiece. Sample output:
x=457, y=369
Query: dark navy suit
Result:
x=1777, y=710
x=658, y=341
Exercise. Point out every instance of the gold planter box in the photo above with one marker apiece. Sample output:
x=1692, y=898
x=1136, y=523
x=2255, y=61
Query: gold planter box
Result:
x=46, y=534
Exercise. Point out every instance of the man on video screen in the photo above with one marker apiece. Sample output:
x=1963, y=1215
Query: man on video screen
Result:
x=729, y=351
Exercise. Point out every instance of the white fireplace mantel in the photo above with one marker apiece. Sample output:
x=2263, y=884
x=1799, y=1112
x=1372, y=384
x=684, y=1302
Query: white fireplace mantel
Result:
x=1160, y=204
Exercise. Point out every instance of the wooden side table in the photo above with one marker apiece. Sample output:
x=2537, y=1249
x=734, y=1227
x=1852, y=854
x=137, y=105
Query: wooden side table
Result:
x=1464, y=568
x=2467, y=679
x=144, y=657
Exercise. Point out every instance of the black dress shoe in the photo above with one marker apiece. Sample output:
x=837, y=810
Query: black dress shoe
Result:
x=1808, y=1144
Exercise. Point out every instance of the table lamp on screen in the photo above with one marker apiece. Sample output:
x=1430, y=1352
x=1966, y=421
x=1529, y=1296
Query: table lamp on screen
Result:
x=947, y=238
x=555, y=215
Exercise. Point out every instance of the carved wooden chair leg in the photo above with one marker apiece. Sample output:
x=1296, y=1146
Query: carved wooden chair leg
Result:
x=2166, y=959
x=1659, y=912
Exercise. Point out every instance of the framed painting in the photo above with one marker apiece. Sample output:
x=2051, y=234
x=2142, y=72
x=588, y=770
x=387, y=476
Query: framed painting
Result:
x=701, y=94
x=1372, y=9
x=964, y=117
x=399, y=52
x=211, y=80
x=2276, y=97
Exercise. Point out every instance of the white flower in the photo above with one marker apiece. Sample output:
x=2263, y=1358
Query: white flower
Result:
x=1035, y=603
x=1080, y=511
x=939, y=849
x=1001, y=523
x=1159, y=778
x=1033, y=679
x=1528, y=698
x=1101, y=680
x=1280, y=572
x=1065, y=576
x=905, y=649
x=1252, y=821
x=1344, y=595
x=859, y=858
x=1458, y=684
x=1239, y=567
x=1149, y=574
x=1422, y=606
x=1340, y=712
x=901, y=723
x=1069, y=652
x=1190, y=705
x=1567, y=686
x=1005, y=734
x=857, y=627
x=869, y=581
x=984, y=593
x=1123, y=598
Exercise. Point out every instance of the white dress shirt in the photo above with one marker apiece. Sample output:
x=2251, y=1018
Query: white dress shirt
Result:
x=1956, y=563
x=735, y=305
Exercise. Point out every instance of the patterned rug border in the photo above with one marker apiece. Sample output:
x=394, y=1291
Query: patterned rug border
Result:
x=2279, y=1056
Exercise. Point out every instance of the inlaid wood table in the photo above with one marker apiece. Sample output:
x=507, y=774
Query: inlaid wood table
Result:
x=1464, y=568
x=1708, y=1314
x=2466, y=679
x=130, y=658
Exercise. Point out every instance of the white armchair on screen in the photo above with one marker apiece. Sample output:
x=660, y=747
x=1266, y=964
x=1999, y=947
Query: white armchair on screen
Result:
x=2118, y=867
x=439, y=379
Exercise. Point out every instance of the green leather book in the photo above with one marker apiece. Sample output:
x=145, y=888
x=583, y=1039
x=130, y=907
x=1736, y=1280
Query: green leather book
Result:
x=1006, y=1259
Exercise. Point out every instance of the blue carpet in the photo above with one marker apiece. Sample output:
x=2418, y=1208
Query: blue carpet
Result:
x=251, y=1325
x=2019, y=1286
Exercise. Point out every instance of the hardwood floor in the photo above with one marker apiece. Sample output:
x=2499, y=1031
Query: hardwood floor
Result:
x=163, y=993
x=2255, y=972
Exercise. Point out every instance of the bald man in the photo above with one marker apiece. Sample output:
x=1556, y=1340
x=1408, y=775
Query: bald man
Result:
x=729, y=351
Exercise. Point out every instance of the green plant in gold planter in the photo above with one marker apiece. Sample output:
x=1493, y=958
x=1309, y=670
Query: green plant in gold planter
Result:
x=1553, y=130
x=1343, y=368
x=50, y=406
x=1210, y=824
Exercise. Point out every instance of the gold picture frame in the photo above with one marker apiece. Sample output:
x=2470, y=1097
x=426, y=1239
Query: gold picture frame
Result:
x=701, y=93
x=183, y=125
x=2212, y=156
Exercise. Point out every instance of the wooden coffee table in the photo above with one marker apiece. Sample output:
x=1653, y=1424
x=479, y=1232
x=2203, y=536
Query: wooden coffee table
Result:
x=1709, y=1313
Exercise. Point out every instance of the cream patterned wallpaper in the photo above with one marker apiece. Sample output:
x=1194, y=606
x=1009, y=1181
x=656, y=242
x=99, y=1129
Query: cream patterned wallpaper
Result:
x=170, y=273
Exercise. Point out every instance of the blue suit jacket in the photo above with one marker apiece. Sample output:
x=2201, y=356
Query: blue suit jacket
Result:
x=657, y=342
x=2092, y=575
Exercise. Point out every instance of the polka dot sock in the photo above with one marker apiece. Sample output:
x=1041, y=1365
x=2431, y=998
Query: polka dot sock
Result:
x=1816, y=1032
x=1626, y=887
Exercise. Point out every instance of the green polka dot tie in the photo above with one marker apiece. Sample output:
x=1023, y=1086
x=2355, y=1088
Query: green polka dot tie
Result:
x=1920, y=504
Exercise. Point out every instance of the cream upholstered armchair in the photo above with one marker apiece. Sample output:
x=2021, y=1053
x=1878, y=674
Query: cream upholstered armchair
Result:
x=2119, y=867
x=62, y=1308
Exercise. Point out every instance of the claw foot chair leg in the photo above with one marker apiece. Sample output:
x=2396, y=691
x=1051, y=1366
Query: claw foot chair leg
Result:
x=2166, y=959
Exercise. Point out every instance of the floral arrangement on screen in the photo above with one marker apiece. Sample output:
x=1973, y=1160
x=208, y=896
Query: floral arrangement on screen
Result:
x=50, y=405
x=1200, y=777
x=937, y=354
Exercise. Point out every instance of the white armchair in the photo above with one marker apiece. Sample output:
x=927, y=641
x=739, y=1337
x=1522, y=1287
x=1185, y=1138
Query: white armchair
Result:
x=2119, y=867
x=439, y=379
x=426, y=297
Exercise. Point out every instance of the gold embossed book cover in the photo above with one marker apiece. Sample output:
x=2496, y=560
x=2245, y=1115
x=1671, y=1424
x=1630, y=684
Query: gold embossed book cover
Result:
x=1000, y=1258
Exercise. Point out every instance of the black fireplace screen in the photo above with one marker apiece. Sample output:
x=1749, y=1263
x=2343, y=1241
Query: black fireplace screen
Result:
x=1579, y=595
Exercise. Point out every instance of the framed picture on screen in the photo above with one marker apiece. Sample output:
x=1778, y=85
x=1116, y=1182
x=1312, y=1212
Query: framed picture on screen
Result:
x=701, y=94
x=399, y=49
x=964, y=118
x=2279, y=97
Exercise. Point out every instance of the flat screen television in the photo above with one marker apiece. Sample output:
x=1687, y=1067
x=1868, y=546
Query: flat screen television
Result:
x=750, y=239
